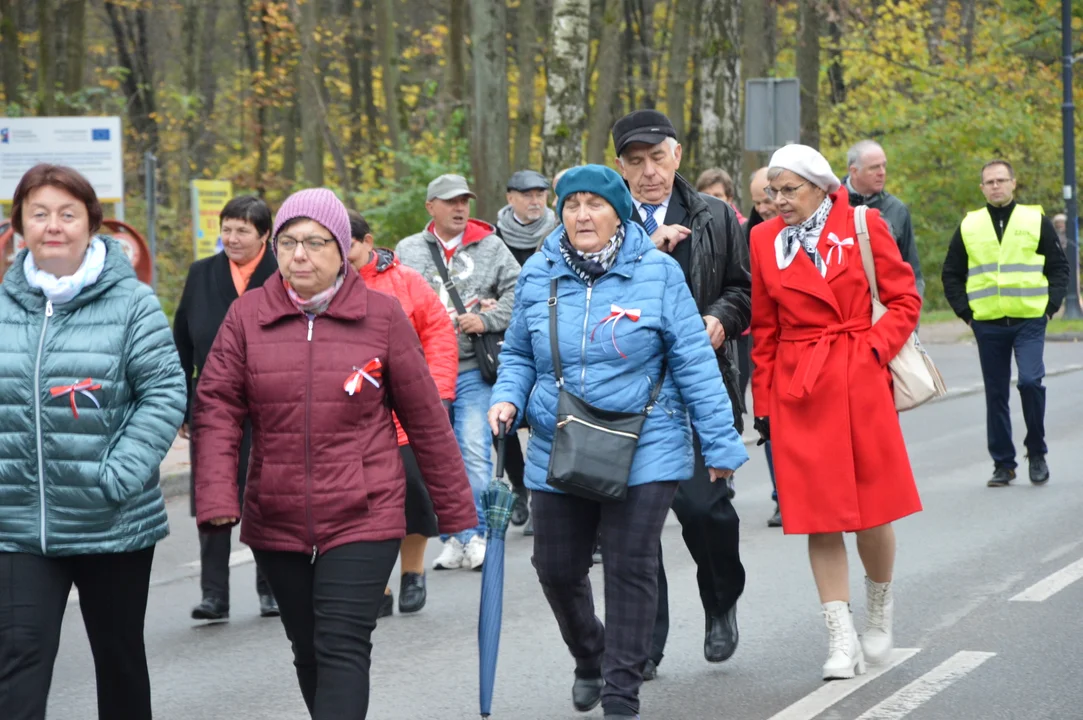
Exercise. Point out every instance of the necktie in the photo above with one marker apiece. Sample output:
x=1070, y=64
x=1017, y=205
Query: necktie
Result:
x=649, y=222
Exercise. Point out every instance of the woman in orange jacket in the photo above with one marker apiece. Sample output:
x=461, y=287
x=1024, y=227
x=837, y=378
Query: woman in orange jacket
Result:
x=382, y=271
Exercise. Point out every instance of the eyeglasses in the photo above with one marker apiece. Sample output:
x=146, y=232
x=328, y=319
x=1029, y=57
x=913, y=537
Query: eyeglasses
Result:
x=789, y=192
x=312, y=243
x=996, y=182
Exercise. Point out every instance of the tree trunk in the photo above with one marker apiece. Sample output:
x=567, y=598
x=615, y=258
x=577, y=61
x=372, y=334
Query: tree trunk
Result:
x=565, y=93
x=76, y=48
x=758, y=59
x=46, y=59
x=608, y=71
x=208, y=87
x=835, y=77
x=389, y=65
x=527, y=51
x=291, y=119
x=129, y=28
x=306, y=17
x=456, y=66
x=969, y=17
x=934, y=34
x=355, y=48
x=372, y=113
x=9, y=51
x=808, y=71
x=720, y=142
x=490, y=112
x=644, y=45
x=677, y=70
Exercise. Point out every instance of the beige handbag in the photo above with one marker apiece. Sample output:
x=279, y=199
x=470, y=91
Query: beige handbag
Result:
x=915, y=377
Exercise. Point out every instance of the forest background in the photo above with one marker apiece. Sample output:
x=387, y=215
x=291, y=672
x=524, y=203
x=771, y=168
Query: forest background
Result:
x=375, y=97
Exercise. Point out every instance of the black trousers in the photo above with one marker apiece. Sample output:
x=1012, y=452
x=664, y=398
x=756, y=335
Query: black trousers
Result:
x=420, y=516
x=113, y=592
x=329, y=612
x=214, y=551
x=712, y=534
x=565, y=528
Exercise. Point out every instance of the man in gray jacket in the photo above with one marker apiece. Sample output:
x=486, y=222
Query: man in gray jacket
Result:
x=483, y=273
x=865, y=183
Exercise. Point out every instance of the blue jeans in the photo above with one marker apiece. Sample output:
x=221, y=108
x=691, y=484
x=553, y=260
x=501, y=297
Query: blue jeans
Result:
x=996, y=343
x=469, y=418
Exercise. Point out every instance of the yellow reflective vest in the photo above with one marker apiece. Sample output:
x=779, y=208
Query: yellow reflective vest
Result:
x=1005, y=278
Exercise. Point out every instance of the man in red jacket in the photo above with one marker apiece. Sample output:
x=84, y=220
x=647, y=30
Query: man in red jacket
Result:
x=382, y=271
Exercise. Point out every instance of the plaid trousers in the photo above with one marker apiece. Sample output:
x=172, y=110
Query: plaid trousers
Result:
x=565, y=528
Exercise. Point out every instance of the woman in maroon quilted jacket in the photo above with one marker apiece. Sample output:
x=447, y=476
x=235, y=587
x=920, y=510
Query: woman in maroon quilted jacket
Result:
x=318, y=363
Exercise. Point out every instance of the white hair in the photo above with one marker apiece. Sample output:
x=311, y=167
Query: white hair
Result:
x=858, y=150
x=671, y=143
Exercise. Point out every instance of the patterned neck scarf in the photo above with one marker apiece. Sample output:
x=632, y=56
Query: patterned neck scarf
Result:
x=808, y=235
x=591, y=266
x=316, y=304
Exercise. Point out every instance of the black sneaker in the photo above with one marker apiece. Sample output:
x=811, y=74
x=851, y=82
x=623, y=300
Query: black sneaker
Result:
x=520, y=511
x=776, y=519
x=1039, y=469
x=212, y=608
x=1002, y=476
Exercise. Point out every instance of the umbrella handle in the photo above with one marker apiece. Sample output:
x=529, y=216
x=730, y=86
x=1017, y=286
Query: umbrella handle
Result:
x=501, y=439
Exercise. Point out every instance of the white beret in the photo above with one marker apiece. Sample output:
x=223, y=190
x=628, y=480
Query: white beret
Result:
x=808, y=163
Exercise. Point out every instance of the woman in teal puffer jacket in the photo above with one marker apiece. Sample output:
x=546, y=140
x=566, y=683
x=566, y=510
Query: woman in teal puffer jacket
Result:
x=91, y=396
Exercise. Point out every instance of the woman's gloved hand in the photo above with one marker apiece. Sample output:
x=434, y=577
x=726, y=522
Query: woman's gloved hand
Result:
x=762, y=425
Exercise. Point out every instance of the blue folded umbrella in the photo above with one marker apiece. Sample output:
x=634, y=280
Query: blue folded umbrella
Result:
x=497, y=501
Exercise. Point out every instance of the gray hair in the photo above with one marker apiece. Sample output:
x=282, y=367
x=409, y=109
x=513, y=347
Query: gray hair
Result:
x=774, y=172
x=858, y=150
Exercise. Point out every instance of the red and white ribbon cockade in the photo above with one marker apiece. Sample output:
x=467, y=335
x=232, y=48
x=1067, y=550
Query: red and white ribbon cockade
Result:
x=372, y=370
x=616, y=312
x=836, y=244
x=83, y=387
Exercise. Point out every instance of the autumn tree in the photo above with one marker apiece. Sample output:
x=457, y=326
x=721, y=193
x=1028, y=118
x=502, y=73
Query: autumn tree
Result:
x=562, y=134
x=490, y=112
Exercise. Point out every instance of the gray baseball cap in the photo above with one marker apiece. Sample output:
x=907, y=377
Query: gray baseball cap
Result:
x=525, y=180
x=448, y=187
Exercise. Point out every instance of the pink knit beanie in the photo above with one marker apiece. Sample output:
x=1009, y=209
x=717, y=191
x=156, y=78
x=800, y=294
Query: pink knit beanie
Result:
x=321, y=205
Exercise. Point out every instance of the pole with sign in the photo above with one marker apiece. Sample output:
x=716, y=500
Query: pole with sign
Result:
x=208, y=199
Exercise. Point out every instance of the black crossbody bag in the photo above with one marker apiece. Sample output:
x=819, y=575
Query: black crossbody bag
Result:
x=486, y=345
x=593, y=449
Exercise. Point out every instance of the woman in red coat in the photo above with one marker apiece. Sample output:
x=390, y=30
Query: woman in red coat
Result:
x=822, y=391
x=317, y=362
x=382, y=271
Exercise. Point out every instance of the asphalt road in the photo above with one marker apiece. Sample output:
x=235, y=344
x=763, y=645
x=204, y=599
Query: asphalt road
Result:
x=987, y=611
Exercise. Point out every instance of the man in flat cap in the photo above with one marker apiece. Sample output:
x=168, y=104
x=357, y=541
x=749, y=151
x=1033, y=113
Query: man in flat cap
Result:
x=703, y=235
x=482, y=274
x=523, y=224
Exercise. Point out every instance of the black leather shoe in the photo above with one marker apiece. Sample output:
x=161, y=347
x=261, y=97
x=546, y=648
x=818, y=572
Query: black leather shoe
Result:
x=650, y=670
x=587, y=693
x=412, y=593
x=1039, y=470
x=1002, y=476
x=387, y=606
x=776, y=519
x=268, y=606
x=721, y=640
x=520, y=511
x=211, y=608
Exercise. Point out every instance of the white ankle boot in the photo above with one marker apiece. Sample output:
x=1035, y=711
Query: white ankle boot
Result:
x=878, y=641
x=844, y=655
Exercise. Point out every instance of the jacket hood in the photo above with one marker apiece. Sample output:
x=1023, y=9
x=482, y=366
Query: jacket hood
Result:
x=382, y=260
x=117, y=269
x=636, y=243
x=476, y=230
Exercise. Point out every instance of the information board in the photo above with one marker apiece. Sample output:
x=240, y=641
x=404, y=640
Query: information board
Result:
x=91, y=145
x=208, y=199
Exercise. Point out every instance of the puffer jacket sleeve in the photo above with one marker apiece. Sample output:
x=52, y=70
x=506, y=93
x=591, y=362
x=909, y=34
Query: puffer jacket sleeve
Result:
x=437, y=334
x=417, y=405
x=153, y=372
x=517, y=372
x=694, y=368
x=898, y=292
x=507, y=274
x=221, y=409
x=765, y=328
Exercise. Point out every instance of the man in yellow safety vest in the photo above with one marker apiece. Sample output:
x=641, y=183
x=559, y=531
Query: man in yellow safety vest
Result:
x=1005, y=274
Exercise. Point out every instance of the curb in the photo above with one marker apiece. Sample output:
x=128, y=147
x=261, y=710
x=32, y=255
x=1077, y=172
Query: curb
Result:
x=1065, y=337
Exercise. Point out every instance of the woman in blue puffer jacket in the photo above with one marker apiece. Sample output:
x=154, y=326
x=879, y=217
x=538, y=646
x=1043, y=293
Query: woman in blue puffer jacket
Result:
x=91, y=396
x=624, y=308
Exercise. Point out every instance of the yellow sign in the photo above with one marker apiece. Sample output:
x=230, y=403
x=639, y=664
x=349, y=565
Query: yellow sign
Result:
x=208, y=199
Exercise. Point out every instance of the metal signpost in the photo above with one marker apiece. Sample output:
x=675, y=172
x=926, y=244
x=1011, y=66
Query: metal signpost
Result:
x=1072, y=308
x=772, y=113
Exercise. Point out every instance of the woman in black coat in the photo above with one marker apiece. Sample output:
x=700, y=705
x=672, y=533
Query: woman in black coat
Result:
x=213, y=284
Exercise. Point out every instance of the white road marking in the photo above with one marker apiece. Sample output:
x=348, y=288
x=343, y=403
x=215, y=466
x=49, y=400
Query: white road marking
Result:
x=237, y=557
x=920, y=691
x=1050, y=586
x=830, y=693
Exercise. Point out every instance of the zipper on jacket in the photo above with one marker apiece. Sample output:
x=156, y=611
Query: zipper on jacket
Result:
x=583, y=349
x=37, y=419
x=572, y=418
x=308, y=450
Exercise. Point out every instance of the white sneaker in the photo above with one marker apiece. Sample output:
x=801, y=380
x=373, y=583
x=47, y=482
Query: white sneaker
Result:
x=452, y=556
x=474, y=553
x=878, y=641
x=844, y=656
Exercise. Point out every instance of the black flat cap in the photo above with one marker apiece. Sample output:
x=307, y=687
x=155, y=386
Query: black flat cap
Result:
x=643, y=126
x=525, y=180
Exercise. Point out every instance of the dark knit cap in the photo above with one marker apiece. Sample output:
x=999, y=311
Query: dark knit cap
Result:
x=601, y=181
